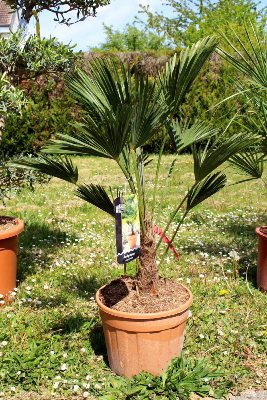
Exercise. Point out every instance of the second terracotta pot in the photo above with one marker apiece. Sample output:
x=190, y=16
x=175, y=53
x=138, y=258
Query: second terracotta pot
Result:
x=8, y=258
x=262, y=259
x=132, y=240
x=143, y=342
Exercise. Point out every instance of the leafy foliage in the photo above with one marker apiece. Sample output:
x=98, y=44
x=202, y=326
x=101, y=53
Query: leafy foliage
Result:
x=44, y=115
x=130, y=39
x=84, y=8
x=181, y=378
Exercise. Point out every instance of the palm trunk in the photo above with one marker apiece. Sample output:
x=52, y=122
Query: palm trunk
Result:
x=148, y=272
x=2, y=127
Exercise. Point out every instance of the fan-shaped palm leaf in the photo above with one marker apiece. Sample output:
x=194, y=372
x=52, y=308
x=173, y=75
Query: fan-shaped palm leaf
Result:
x=177, y=79
x=249, y=163
x=205, y=162
x=60, y=167
x=102, y=88
x=183, y=136
x=105, y=138
x=206, y=188
x=251, y=60
x=96, y=195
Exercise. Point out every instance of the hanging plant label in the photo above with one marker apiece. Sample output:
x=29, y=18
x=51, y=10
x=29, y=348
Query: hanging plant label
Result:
x=127, y=228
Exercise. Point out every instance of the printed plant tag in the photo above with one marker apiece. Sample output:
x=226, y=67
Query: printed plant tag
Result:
x=127, y=227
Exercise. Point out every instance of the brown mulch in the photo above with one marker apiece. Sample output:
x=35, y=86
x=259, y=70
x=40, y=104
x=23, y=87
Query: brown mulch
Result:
x=121, y=295
x=7, y=223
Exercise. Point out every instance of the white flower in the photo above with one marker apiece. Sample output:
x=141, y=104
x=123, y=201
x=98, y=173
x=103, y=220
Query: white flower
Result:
x=82, y=350
x=28, y=288
x=19, y=372
x=65, y=381
x=55, y=386
x=52, y=352
x=1, y=296
x=97, y=386
x=225, y=352
x=2, y=394
x=233, y=254
x=4, y=343
x=38, y=302
x=1, y=353
x=201, y=275
x=201, y=336
x=75, y=388
x=46, y=287
x=86, y=385
x=88, y=377
x=63, y=367
x=12, y=389
x=86, y=394
x=65, y=355
x=58, y=377
x=187, y=280
x=9, y=315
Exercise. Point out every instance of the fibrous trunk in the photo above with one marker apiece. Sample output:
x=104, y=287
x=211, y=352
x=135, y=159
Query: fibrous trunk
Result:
x=148, y=272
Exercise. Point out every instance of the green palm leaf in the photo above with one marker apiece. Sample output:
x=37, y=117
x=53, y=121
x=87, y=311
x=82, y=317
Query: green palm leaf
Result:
x=251, y=61
x=206, y=188
x=249, y=163
x=102, y=88
x=59, y=167
x=96, y=195
x=105, y=138
x=182, y=136
x=205, y=162
x=177, y=79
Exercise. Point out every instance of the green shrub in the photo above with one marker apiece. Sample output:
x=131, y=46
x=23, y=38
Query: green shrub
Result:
x=42, y=118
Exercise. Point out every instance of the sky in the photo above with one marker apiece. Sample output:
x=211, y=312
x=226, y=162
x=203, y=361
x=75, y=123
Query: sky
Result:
x=90, y=32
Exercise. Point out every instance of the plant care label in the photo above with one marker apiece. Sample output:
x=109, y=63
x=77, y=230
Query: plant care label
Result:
x=127, y=228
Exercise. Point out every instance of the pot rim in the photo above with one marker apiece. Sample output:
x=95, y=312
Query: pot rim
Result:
x=16, y=230
x=259, y=233
x=161, y=314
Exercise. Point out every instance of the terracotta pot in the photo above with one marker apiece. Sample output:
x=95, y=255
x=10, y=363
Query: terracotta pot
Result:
x=262, y=259
x=132, y=239
x=143, y=342
x=8, y=258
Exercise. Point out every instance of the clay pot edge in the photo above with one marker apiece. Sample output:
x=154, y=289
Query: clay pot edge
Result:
x=158, y=315
x=17, y=229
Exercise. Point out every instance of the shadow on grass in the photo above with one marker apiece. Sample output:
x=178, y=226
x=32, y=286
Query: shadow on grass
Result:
x=38, y=240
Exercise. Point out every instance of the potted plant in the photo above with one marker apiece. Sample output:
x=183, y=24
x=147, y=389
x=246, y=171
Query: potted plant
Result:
x=143, y=316
x=10, y=228
x=251, y=65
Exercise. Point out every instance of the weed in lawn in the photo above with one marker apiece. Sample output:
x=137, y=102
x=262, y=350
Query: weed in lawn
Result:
x=51, y=336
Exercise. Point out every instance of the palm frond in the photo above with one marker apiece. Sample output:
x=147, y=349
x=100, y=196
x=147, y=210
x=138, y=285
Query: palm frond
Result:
x=149, y=115
x=251, y=60
x=206, y=188
x=102, y=88
x=178, y=77
x=104, y=138
x=249, y=163
x=184, y=136
x=59, y=167
x=96, y=195
x=205, y=162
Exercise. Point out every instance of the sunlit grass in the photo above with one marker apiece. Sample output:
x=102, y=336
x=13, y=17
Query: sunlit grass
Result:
x=52, y=332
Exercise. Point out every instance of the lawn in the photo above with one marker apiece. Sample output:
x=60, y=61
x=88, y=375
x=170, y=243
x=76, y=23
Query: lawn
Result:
x=51, y=339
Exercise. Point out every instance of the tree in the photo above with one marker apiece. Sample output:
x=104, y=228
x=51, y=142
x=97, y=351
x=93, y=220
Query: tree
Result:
x=130, y=39
x=250, y=61
x=27, y=60
x=60, y=8
x=118, y=124
x=196, y=19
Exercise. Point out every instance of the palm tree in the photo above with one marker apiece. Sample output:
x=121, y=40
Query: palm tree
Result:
x=120, y=119
x=249, y=58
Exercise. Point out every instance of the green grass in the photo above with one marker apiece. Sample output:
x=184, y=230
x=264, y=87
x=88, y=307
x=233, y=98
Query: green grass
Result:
x=67, y=251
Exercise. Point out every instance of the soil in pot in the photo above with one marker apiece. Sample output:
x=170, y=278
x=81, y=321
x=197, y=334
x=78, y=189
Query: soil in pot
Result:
x=121, y=295
x=143, y=332
x=7, y=223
